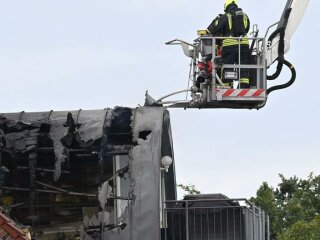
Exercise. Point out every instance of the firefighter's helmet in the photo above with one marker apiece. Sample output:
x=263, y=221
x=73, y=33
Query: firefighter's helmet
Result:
x=228, y=2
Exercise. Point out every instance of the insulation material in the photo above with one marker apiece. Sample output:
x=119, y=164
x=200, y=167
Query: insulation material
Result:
x=105, y=191
x=88, y=129
x=57, y=132
x=91, y=124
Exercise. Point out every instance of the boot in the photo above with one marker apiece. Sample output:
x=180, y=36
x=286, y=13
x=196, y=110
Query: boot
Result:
x=244, y=85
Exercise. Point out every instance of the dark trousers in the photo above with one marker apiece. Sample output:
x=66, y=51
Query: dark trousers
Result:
x=230, y=55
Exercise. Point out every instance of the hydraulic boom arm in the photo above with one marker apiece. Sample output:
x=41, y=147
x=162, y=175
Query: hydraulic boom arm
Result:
x=279, y=41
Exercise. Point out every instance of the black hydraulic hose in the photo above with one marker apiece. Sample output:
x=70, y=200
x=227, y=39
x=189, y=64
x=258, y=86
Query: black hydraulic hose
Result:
x=289, y=83
x=283, y=25
x=274, y=34
x=279, y=69
x=280, y=59
x=281, y=31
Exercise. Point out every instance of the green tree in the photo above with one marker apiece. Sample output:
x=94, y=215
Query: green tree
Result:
x=292, y=206
x=266, y=200
x=189, y=188
x=303, y=230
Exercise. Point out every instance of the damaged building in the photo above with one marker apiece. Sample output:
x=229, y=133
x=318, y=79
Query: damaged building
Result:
x=83, y=173
x=108, y=174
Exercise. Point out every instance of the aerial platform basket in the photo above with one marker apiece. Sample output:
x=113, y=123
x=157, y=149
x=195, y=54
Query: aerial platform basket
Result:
x=212, y=92
x=217, y=85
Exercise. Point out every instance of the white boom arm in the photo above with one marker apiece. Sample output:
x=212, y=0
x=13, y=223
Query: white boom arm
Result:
x=298, y=8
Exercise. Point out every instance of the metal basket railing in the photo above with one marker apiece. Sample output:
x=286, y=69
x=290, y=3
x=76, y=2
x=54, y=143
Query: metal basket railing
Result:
x=208, y=45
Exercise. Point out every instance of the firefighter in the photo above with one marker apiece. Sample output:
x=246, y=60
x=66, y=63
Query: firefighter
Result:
x=234, y=23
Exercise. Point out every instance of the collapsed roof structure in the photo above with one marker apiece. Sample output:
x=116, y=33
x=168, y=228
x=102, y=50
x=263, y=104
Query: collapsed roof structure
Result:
x=78, y=174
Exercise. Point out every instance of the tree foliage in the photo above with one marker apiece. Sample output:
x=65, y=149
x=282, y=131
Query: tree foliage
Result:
x=303, y=230
x=189, y=188
x=293, y=207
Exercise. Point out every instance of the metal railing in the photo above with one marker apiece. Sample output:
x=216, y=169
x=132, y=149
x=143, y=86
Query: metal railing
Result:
x=215, y=219
x=207, y=45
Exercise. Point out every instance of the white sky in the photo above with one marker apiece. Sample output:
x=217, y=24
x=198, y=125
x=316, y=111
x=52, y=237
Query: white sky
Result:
x=100, y=53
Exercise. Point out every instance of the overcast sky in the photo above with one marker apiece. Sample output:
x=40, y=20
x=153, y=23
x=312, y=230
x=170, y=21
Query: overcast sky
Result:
x=94, y=54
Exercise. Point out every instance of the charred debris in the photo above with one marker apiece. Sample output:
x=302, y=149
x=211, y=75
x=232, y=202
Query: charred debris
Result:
x=53, y=163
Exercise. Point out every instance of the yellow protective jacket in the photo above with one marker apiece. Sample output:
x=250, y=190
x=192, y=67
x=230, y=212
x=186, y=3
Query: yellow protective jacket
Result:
x=221, y=26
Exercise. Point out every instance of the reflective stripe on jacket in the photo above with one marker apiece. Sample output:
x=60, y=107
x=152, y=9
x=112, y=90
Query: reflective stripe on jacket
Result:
x=231, y=42
x=221, y=26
